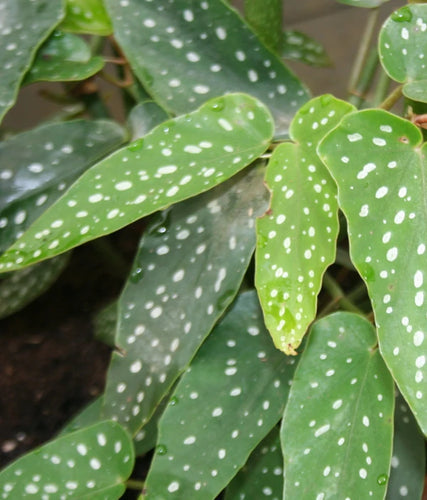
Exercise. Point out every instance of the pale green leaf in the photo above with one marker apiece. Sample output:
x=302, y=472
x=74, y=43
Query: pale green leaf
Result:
x=337, y=428
x=179, y=286
x=296, y=238
x=378, y=162
x=298, y=46
x=186, y=53
x=178, y=159
x=144, y=117
x=86, y=16
x=90, y=463
x=229, y=399
x=24, y=27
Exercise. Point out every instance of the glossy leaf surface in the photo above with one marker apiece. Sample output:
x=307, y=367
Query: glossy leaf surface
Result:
x=37, y=166
x=378, y=162
x=90, y=463
x=337, y=428
x=21, y=287
x=408, y=461
x=63, y=57
x=179, y=287
x=230, y=398
x=86, y=16
x=262, y=475
x=24, y=26
x=186, y=53
x=402, y=43
x=298, y=46
x=296, y=238
x=177, y=160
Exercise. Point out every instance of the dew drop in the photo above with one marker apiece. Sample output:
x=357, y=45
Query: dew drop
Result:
x=218, y=105
x=161, y=449
x=136, y=275
x=382, y=479
x=136, y=145
x=402, y=15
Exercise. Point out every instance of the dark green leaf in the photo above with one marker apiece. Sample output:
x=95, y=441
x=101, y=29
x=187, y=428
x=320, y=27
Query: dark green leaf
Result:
x=24, y=27
x=337, y=428
x=229, y=399
x=185, y=53
x=89, y=415
x=265, y=18
x=179, y=287
x=298, y=46
x=105, y=324
x=87, y=16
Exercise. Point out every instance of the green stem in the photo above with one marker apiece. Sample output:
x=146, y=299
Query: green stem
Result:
x=338, y=296
x=381, y=89
x=357, y=96
x=363, y=51
x=392, y=98
x=135, y=484
x=95, y=106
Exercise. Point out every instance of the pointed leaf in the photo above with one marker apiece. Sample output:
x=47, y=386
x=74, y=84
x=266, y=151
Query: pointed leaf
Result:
x=21, y=287
x=296, y=238
x=262, y=475
x=401, y=47
x=90, y=463
x=177, y=160
x=105, y=323
x=298, y=46
x=186, y=53
x=408, y=460
x=63, y=57
x=229, y=399
x=180, y=285
x=144, y=117
x=379, y=166
x=337, y=427
x=87, y=16
x=24, y=27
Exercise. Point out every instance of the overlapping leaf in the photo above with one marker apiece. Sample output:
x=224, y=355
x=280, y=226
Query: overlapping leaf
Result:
x=230, y=398
x=408, y=461
x=177, y=160
x=337, y=428
x=87, y=16
x=378, y=162
x=179, y=287
x=262, y=475
x=185, y=53
x=402, y=44
x=90, y=463
x=296, y=238
x=63, y=57
x=298, y=46
x=144, y=117
x=37, y=166
x=24, y=26
x=21, y=287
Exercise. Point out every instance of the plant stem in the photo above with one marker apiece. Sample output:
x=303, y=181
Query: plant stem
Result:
x=381, y=89
x=135, y=484
x=338, y=296
x=357, y=96
x=362, y=54
x=392, y=98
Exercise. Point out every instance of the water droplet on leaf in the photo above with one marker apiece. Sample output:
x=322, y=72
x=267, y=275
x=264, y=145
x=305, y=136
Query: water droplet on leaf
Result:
x=161, y=449
x=136, y=145
x=382, y=479
x=402, y=15
x=136, y=275
x=218, y=105
x=173, y=401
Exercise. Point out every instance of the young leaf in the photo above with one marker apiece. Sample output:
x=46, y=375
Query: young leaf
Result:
x=378, y=162
x=229, y=399
x=262, y=475
x=178, y=159
x=21, y=287
x=408, y=461
x=90, y=463
x=20, y=38
x=179, y=287
x=401, y=43
x=63, y=57
x=205, y=50
x=298, y=46
x=86, y=16
x=37, y=166
x=337, y=428
x=296, y=238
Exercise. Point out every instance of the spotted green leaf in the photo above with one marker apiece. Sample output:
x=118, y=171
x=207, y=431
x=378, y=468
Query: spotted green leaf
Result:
x=185, y=53
x=21, y=287
x=224, y=405
x=24, y=26
x=63, y=57
x=378, y=162
x=37, y=166
x=105, y=324
x=408, y=460
x=298, y=46
x=265, y=18
x=86, y=16
x=144, y=117
x=337, y=427
x=262, y=475
x=179, y=287
x=89, y=463
x=178, y=159
x=296, y=238
x=363, y=3
x=402, y=43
